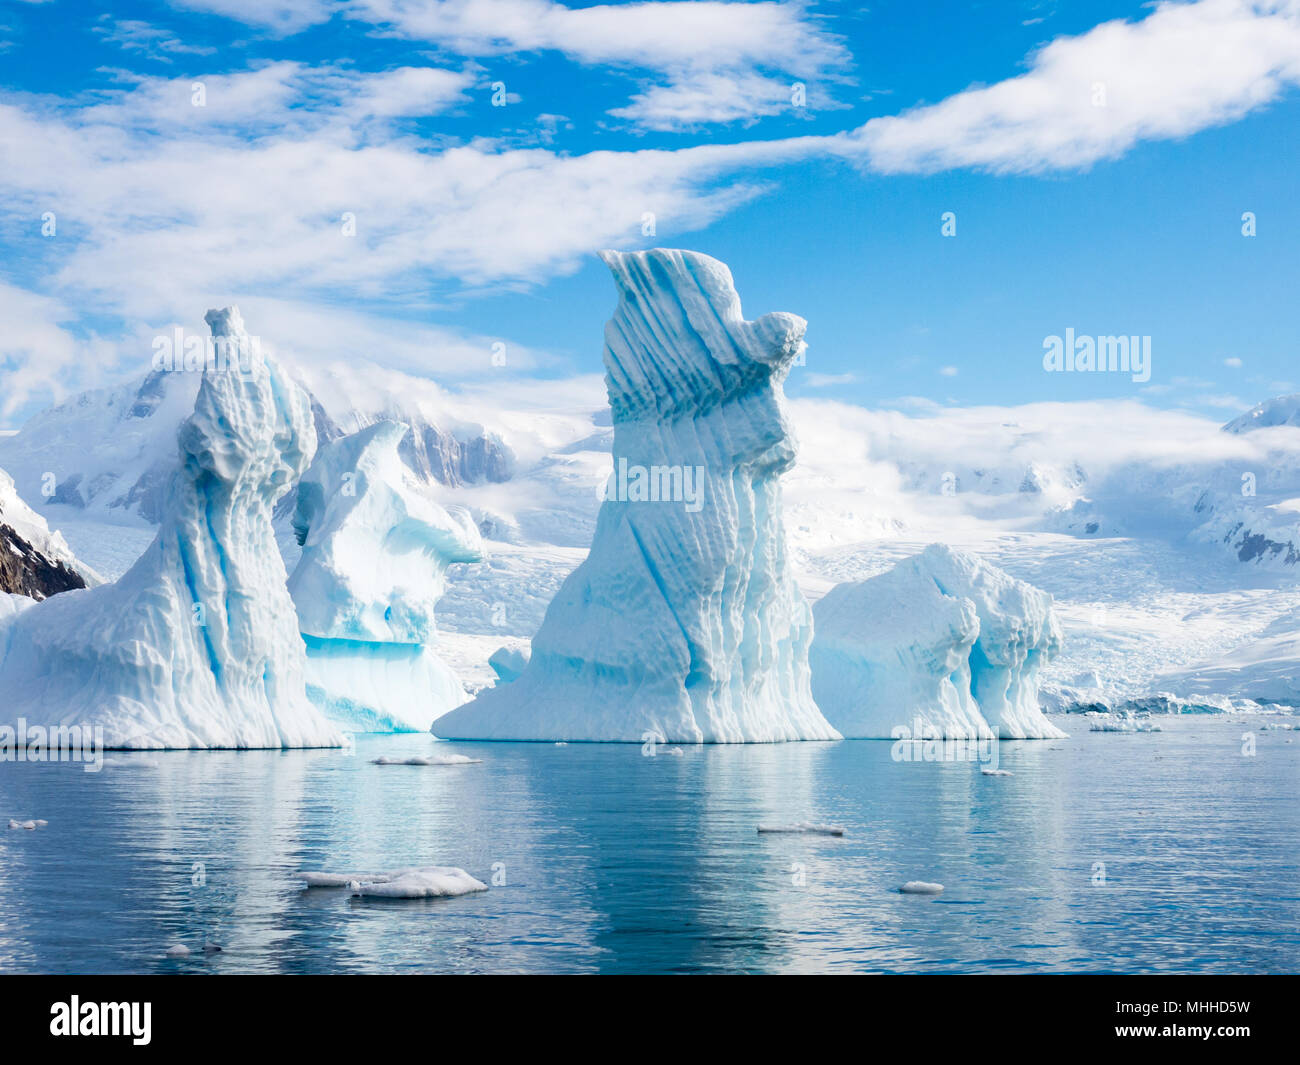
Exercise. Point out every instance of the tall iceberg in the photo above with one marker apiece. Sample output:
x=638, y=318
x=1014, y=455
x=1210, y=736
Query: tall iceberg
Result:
x=684, y=622
x=374, y=563
x=944, y=645
x=197, y=645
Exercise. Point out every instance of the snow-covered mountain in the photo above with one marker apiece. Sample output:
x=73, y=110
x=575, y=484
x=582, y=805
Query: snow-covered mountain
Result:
x=109, y=453
x=1281, y=410
x=34, y=562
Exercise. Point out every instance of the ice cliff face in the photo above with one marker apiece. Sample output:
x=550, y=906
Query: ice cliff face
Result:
x=373, y=566
x=684, y=621
x=33, y=561
x=943, y=641
x=197, y=645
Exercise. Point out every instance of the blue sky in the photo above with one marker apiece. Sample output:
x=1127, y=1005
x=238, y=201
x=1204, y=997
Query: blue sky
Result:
x=1098, y=158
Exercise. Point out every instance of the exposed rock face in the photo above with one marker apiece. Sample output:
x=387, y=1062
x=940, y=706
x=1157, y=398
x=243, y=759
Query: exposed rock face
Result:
x=684, y=622
x=33, y=561
x=25, y=571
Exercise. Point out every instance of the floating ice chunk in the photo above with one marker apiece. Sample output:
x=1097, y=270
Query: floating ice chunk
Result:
x=197, y=645
x=178, y=950
x=433, y=759
x=29, y=825
x=996, y=772
x=435, y=881
x=805, y=828
x=921, y=887
x=375, y=554
x=340, y=879
x=685, y=619
x=560, y=743
x=676, y=752
x=943, y=643
x=439, y=881
x=1124, y=725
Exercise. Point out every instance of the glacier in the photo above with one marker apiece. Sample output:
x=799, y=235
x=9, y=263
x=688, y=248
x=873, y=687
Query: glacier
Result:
x=197, y=645
x=375, y=552
x=942, y=645
x=684, y=623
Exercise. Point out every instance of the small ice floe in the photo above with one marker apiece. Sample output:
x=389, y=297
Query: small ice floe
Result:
x=432, y=882
x=1285, y=726
x=921, y=887
x=676, y=752
x=805, y=828
x=31, y=826
x=560, y=743
x=1125, y=725
x=178, y=950
x=996, y=772
x=433, y=759
x=130, y=763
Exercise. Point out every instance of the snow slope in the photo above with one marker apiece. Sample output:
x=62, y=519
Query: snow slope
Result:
x=34, y=561
x=684, y=622
x=197, y=645
x=374, y=559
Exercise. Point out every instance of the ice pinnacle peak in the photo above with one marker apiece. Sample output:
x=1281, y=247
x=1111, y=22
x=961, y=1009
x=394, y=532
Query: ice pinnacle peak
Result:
x=713, y=355
x=226, y=322
x=684, y=624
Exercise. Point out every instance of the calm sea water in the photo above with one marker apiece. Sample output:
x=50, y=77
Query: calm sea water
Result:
x=616, y=862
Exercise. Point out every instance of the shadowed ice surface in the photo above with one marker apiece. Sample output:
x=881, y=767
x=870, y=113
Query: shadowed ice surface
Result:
x=617, y=862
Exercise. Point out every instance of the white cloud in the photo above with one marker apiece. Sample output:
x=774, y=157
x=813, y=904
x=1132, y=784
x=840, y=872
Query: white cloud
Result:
x=133, y=35
x=168, y=209
x=37, y=354
x=948, y=371
x=1234, y=362
x=826, y=380
x=1184, y=68
x=734, y=50
x=275, y=99
x=709, y=98
x=279, y=16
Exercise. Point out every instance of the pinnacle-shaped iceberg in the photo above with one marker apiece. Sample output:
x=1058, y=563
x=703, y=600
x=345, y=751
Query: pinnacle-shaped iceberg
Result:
x=197, y=645
x=374, y=564
x=684, y=622
x=943, y=645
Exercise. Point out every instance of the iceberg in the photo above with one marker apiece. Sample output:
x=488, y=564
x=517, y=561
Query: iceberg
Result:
x=942, y=646
x=684, y=622
x=197, y=645
x=375, y=552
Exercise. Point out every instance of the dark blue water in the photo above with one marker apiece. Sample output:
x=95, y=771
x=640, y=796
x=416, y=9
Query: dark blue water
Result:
x=616, y=862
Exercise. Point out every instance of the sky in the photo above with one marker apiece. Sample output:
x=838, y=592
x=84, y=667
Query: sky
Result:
x=424, y=184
